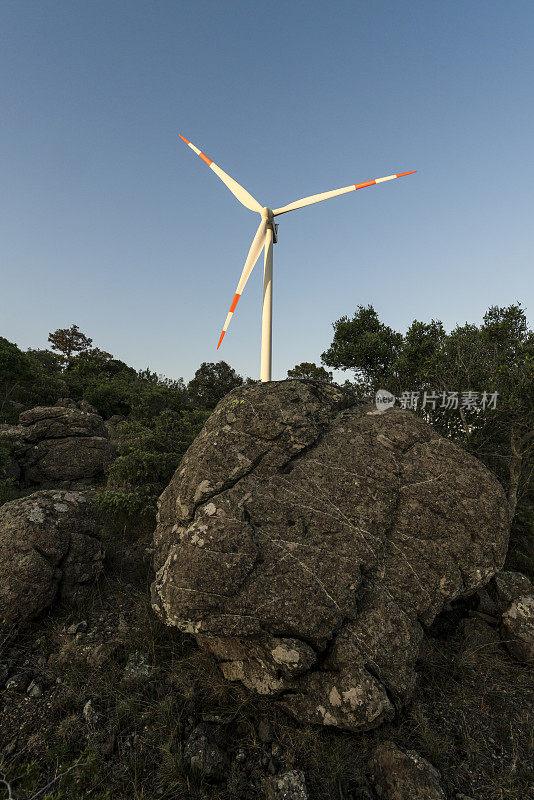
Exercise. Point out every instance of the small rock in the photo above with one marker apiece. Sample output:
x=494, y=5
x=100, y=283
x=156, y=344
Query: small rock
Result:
x=77, y=627
x=138, y=668
x=107, y=746
x=10, y=748
x=103, y=653
x=90, y=715
x=201, y=752
x=4, y=673
x=518, y=628
x=265, y=731
x=290, y=785
x=19, y=682
x=401, y=774
x=485, y=603
x=508, y=586
x=34, y=690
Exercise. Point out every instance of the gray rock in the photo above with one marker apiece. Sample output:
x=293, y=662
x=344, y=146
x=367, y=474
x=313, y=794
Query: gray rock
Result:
x=507, y=586
x=90, y=715
x=58, y=444
x=265, y=731
x=49, y=547
x=113, y=426
x=4, y=674
x=517, y=628
x=138, y=668
x=69, y=459
x=57, y=422
x=303, y=528
x=290, y=785
x=201, y=752
x=34, y=690
x=19, y=682
x=77, y=627
x=80, y=405
x=404, y=775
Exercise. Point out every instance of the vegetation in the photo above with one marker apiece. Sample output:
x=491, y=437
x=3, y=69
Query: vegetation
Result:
x=453, y=380
x=161, y=417
x=470, y=715
x=310, y=371
x=445, y=377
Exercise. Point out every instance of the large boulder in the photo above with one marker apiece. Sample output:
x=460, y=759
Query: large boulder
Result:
x=49, y=548
x=306, y=538
x=59, y=446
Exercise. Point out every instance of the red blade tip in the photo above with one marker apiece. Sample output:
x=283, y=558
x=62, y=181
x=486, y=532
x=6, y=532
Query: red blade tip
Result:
x=402, y=174
x=183, y=137
x=220, y=340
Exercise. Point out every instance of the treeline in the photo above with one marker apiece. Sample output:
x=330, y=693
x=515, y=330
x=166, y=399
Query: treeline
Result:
x=155, y=418
x=475, y=385
x=74, y=368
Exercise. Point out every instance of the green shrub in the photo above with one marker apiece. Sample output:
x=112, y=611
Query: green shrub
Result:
x=148, y=455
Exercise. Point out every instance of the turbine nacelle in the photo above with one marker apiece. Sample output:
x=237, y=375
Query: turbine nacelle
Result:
x=267, y=214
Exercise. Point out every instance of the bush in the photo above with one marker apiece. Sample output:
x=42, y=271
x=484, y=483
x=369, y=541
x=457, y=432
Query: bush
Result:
x=147, y=458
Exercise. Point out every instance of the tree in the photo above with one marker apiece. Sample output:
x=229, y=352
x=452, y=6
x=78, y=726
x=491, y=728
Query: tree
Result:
x=497, y=356
x=309, y=371
x=15, y=372
x=364, y=345
x=69, y=341
x=211, y=383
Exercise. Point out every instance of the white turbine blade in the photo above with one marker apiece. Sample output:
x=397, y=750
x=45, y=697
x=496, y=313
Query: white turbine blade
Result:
x=318, y=198
x=242, y=195
x=253, y=254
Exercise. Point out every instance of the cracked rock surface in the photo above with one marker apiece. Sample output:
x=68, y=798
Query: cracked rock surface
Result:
x=59, y=445
x=49, y=547
x=306, y=539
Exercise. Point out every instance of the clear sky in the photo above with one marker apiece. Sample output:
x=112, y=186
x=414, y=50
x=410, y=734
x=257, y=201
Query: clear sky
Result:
x=108, y=220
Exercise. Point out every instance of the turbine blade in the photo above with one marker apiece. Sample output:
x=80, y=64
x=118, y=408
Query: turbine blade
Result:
x=253, y=254
x=238, y=191
x=318, y=198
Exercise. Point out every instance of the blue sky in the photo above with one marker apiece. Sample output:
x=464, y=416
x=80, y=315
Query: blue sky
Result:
x=108, y=220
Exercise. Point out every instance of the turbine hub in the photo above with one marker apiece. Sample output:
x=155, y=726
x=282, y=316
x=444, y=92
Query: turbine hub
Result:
x=268, y=216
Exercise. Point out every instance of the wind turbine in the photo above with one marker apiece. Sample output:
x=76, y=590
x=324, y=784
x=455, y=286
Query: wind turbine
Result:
x=265, y=238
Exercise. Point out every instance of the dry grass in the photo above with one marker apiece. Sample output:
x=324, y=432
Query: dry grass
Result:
x=471, y=716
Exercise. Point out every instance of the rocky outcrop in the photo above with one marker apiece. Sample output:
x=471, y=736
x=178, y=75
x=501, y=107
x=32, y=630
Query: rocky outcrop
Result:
x=306, y=540
x=59, y=446
x=49, y=548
